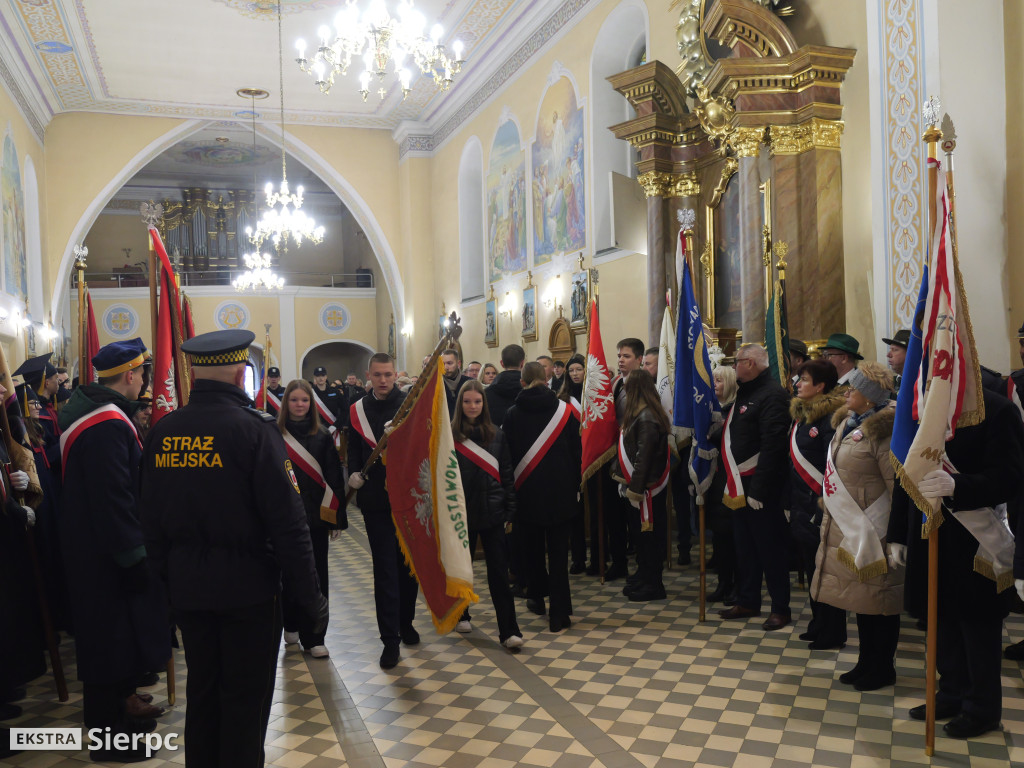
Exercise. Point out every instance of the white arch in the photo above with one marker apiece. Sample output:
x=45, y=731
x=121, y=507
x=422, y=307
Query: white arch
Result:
x=472, y=226
x=359, y=208
x=625, y=28
x=310, y=348
x=33, y=240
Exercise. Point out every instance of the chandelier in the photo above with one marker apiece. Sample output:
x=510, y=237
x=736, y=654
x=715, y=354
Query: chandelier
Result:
x=257, y=276
x=284, y=221
x=380, y=39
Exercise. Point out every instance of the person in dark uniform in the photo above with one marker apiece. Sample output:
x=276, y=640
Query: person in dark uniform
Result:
x=394, y=588
x=988, y=469
x=119, y=612
x=332, y=397
x=224, y=522
x=274, y=387
x=40, y=374
x=454, y=378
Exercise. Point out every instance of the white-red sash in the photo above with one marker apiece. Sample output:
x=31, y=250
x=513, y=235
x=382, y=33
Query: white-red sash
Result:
x=649, y=493
x=103, y=413
x=734, y=472
x=542, y=444
x=480, y=457
x=807, y=471
x=357, y=416
x=577, y=409
x=323, y=410
x=274, y=401
x=304, y=460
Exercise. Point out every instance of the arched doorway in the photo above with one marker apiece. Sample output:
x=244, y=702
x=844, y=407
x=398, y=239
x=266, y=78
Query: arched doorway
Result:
x=340, y=358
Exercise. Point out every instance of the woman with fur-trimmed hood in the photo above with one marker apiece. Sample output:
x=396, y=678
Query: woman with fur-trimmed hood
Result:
x=812, y=431
x=851, y=569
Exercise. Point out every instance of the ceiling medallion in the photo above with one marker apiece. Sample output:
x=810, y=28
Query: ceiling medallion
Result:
x=262, y=9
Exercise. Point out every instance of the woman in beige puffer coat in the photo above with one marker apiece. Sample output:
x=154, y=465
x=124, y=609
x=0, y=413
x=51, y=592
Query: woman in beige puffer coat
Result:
x=860, y=454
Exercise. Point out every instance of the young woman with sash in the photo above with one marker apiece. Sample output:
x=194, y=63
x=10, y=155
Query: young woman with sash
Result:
x=322, y=487
x=812, y=432
x=851, y=571
x=486, y=468
x=571, y=393
x=719, y=515
x=546, y=458
x=641, y=466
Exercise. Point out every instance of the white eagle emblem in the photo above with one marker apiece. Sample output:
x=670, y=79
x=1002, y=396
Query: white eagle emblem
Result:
x=169, y=401
x=596, y=398
x=424, y=498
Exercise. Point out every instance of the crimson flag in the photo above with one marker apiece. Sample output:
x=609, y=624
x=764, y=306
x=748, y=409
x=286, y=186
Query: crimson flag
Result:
x=599, y=430
x=86, y=373
x=167, y=379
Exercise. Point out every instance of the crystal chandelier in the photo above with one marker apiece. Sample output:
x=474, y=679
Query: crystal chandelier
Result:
x=284, y=221
x=257, y=276
x=380, y=39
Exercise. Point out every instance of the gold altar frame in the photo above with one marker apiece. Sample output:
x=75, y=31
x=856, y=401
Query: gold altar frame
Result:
x=711, y=223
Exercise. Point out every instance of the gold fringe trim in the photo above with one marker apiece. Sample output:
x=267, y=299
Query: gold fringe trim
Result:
x=329, y=515
x=869, y=571
x=734, y=502
x=968, y=418
x=598, y=463
x=984, y=567
x=933, y=517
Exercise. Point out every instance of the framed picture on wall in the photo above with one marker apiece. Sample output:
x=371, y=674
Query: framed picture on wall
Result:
x=392, y=348
x=491, y=321
x=579, y=301
x=530, y=313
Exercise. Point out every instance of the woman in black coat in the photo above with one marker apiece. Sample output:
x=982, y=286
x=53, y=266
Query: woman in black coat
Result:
x=300, y=423
x=486, y=468
x=571, y=392
x=547, y=484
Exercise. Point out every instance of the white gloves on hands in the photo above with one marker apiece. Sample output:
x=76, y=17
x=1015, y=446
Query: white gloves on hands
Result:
x=936, y=484
x=388, y=428
x=30, y=515
x=754, y=503
x=896, y=554
x=1019, y=584
x=335, y=534
x=19, y=480
x=356, y=480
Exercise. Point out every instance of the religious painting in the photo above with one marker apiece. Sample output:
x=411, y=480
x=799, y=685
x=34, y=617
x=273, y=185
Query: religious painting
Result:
x=559, y=206
x=579, y=301
x=728, y=267
x=506, y=204
x=530, y=313
x=15, y=273
x=491, y=322
x=392, y=347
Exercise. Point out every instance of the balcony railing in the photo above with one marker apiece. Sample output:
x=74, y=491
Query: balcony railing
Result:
x=225, y=277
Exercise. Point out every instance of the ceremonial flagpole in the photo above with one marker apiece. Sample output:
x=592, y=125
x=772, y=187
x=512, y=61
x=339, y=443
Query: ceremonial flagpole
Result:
x=266, y=366
x=702, y=560
x=81, y=252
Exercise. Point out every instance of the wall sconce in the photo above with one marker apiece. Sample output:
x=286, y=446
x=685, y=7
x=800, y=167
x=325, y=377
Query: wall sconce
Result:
x=23, y=322
x=407, y=329
x=4, y=314
x=506, y=307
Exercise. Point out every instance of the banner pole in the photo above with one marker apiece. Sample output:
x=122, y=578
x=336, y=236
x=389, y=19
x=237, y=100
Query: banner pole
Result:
x=266, y=365
x=703, y=562
x=81, y=252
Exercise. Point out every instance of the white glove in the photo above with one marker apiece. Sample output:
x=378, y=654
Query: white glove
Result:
x=388, y=428
x=896, y=554
x=335, y=534
x=754, y=503
x=936, y=484
x=635, y=499
x=332, y=429
x=30, y=515
x=356, y=480
x=19, y=480
x=1019, y=584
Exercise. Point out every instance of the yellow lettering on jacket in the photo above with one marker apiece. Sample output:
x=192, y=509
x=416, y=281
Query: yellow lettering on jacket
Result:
x=187, y=460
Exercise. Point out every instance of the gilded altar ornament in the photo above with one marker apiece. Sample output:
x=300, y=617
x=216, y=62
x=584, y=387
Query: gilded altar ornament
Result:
x=781, y=250
x=766, y=238
x=661, y=184
x=746, y=142
x=729, y=166
x=705, y=259
x=714, y=113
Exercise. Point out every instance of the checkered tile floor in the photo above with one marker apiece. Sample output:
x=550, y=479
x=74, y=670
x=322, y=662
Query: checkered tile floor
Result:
x=628, y=685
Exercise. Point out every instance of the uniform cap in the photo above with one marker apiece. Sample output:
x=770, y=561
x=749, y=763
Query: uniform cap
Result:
x=219, y=347
x=272, y=371
x=901, y=338
x=319, y=371
x=118, y=357
x=844, y=342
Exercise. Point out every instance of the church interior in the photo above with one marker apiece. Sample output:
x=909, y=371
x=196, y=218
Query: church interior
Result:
x=551, y=157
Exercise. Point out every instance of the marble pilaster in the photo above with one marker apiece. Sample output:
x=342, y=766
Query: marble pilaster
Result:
x=751, y=249
x=655, y=268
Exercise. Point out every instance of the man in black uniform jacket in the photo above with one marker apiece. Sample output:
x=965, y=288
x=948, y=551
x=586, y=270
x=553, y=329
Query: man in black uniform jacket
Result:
x=989, y=468
x=502, y=392
x=274, y=387
x=394, y=588
x=223, y=522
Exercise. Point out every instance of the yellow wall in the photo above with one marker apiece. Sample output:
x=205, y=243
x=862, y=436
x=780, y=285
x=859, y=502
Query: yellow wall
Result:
x=1013, y=29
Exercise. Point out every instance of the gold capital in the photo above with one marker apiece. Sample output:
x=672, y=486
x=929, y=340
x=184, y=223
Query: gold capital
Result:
x=660, y=184
x=747, y=141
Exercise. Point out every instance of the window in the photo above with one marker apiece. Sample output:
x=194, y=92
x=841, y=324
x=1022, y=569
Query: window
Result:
x=471, y=220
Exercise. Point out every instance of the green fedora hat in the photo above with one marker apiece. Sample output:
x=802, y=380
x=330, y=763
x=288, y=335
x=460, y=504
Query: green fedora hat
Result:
x=844, y=342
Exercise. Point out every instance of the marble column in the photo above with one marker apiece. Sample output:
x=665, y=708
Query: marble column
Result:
x=655, y=268
x=751, y=249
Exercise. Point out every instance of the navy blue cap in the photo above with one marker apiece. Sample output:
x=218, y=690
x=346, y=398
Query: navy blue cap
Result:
x=35, y=369
x=118, y=357
x=319, y=371
x=272, y=371
x=219, y=347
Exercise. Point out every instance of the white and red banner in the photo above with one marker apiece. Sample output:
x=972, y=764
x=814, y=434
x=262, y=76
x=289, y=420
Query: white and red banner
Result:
x=428, y=505
x=599, y=431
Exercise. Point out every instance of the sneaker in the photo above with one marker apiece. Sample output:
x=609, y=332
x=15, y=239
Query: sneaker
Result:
x=513, y=643
x=464, y=627
x=319, y=652
x=291, y=638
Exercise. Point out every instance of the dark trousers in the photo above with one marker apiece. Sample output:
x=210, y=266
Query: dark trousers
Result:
x=607, y=508
x=719, y=519
x=968, y=661
x=394, y=587
x=578, y=536
x=682, y=502
x=295, y=619
x=879, y=636
x=652, y=545
x=762, y=549
x=828, y=623
x=103, y=703
x=496, y=560
x=552, y=540
x=232, y=660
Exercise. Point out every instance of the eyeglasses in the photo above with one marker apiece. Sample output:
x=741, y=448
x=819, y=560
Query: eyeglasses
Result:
x=830, y=355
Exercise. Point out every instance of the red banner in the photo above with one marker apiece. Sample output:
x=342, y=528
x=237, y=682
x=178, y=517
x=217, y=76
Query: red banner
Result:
x=167, y=379
x=599, y=429
x=87, y=374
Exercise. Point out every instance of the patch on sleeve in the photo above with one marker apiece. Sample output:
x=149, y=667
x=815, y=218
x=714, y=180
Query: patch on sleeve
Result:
x=291, y=474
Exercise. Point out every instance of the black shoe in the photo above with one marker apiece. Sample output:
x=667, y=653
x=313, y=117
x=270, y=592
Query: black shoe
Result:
x=646, y=592
x=1014, y=652
x=389, y=657
x=557, y=625
x=852, y=676
x=134, y=755
x=634, y=578
x=826, y=645
x=148, y=679
x=577, y=568
x=410, y=636
x=730, y=599
x=684, y=559
x=721, y=592
x=922, y=624
x=809, y=636
x=518, y=590
x=145, y=725
x=966, y=726
x=536, y=606
x=617, y=571
x=872, y=681
x=942, y=711
x=592, y=570
x=10, y=711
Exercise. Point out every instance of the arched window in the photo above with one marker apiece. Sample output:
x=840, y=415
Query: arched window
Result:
x=621, y=45
x=471, y=220
x=33, y=242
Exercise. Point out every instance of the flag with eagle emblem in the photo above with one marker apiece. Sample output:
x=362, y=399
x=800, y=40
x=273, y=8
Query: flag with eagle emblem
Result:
x=599, y=430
